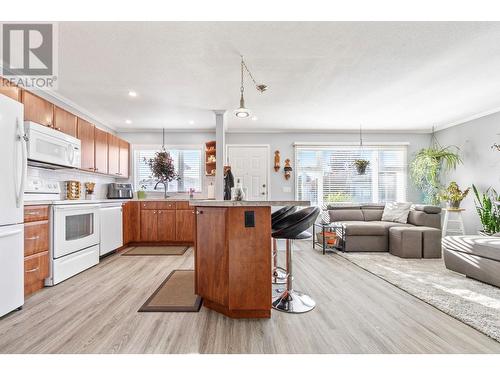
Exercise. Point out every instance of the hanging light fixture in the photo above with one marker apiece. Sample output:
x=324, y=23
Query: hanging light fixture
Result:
x=242, y=111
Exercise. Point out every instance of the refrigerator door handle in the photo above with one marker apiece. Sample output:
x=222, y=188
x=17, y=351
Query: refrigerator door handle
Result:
x=21, y=138
x=11, y=233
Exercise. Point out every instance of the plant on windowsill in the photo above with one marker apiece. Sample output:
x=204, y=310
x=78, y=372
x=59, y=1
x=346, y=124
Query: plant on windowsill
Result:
x=427, y=166
x=361, y=165
x=162, y=168
x=141, y=194
x=453, y=195
x=488, y=211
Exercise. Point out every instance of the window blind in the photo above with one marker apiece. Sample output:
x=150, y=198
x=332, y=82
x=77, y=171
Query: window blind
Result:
x=187, y=163
x=326, y=174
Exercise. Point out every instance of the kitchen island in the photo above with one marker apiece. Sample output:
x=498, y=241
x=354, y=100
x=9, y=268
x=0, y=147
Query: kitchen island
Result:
x=233, y=255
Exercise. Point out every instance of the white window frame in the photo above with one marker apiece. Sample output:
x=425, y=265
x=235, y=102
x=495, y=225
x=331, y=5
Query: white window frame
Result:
x=327, y=145
x=157, y=147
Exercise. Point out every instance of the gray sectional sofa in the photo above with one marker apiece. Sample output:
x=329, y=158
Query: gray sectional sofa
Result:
x=477, y=257
x=365, y=231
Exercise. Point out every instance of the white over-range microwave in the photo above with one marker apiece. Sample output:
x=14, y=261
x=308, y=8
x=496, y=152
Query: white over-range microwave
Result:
x=51, y=148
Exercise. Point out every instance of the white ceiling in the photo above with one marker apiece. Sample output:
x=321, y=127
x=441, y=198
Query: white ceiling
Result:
x=322, y=75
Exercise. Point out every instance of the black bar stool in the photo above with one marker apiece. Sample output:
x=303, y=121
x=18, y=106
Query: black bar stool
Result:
x=279, y=273
x=293, y=227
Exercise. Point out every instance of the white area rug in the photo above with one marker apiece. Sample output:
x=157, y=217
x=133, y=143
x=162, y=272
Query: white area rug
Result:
x=470, y=301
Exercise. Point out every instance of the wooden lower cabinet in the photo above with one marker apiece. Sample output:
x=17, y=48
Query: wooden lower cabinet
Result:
x=131, y=222
x=184, y=225
x=149, y=225
x=36, y=247
x=36, y=269
x=166, y=225
x=161, y=222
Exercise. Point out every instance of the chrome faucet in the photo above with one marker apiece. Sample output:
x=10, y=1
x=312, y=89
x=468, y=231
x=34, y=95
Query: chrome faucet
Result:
x=164, y=186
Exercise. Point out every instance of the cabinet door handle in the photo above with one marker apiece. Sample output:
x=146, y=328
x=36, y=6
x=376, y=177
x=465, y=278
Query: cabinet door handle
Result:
x=32, y=238
x=32, y=213
x=33, y=270
x=199, y=212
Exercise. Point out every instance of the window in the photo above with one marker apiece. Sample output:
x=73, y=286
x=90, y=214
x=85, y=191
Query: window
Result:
x=187, y=162
x=326, y=174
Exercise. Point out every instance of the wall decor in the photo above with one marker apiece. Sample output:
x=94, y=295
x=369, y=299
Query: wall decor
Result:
x=288, y=169
x=276, y=160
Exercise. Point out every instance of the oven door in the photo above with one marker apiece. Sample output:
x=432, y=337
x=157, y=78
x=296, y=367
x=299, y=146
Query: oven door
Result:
x=76, y=227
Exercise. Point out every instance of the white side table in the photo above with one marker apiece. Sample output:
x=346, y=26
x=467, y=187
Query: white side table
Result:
x=453, y=216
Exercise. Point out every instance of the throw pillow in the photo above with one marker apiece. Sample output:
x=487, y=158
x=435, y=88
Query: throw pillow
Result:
x=397, y=212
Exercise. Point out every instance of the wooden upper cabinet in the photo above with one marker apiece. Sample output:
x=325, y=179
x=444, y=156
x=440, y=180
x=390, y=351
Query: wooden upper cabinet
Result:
x=37, y=109
x=113, y=155
x=85, y=133
x=7, y=89
x=124, y=158
x=101, y=151
x=64, y=121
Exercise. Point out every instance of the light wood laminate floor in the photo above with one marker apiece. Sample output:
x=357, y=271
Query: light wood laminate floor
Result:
x=96, y=312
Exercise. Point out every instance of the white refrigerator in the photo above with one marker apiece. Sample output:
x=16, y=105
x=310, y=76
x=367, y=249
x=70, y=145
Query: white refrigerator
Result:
x=13, y=164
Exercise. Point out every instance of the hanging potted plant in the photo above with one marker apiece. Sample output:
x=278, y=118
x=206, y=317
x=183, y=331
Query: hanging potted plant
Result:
x=361, y=165
x=453, y=195
x=427, y=166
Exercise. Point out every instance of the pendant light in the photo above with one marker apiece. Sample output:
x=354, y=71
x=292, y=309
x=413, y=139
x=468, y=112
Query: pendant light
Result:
x=242, y=111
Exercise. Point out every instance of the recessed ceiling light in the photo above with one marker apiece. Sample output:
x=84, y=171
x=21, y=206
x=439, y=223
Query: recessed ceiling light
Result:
x=128, y=122
x=191, y=122
x=254, y=118
x=133, y=94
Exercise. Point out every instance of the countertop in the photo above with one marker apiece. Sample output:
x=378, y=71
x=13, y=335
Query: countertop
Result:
x=102, y=201
x=218, y=203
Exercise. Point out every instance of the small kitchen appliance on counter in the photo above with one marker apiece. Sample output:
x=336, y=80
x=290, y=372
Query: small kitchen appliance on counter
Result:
x=120, y=191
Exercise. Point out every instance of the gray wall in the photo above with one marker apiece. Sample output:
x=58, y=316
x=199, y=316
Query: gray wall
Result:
x=481, y=165
x=284, y=143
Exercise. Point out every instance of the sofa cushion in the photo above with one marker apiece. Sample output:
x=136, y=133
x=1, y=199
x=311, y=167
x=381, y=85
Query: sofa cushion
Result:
x=483, y=246
x=390, y=224
x=421, y=218
x=396, y=211
x=372, y=214
x=339, y=214
x=427, y=209
x=364, y=228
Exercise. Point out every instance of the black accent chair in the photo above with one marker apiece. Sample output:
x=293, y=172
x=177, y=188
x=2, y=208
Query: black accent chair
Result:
x=294, y=227
x=279, y=273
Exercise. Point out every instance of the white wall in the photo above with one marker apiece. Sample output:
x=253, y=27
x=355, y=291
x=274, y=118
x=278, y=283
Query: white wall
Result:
x=481, y=164
x=284, y=143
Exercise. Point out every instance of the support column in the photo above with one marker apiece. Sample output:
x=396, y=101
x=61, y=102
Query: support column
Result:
x=220, y=138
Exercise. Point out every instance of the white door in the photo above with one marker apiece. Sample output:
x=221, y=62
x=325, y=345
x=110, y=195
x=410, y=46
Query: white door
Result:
x=11, y=268
x=12, y=161
x=250, y=164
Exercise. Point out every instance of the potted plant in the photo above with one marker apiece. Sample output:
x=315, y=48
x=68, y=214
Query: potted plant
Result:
x=488, y=211
x=426, y=168
x=162, y=168
x=361, y=165
x=141, y=194
x=453, y=195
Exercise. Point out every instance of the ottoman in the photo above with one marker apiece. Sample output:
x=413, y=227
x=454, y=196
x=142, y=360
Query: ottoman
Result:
x=415, y=242
x=405, y=242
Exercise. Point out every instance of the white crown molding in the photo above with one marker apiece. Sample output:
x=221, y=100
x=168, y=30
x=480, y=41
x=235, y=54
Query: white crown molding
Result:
x=328, y=131
x=159, y=130
x=467, y=119
x=305, y=144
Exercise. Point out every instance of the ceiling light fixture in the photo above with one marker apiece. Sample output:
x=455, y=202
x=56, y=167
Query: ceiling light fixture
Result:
x=133, y=94
x=242, y=111
x=191, y=122
x=128, y=122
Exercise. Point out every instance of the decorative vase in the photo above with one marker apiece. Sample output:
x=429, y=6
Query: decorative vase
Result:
x=454, y=204
x=361, y=169
x=141, y=194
